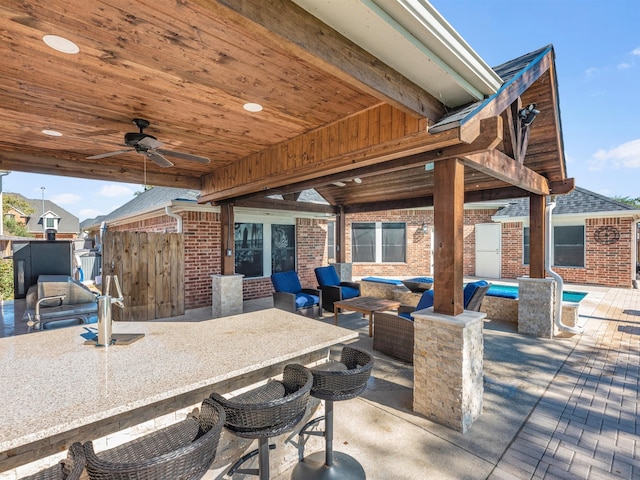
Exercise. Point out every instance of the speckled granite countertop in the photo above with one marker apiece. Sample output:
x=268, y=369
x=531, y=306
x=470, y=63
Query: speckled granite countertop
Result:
x=50, y=382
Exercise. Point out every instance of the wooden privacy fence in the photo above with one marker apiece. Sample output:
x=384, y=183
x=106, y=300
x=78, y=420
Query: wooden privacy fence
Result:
x=150, y=268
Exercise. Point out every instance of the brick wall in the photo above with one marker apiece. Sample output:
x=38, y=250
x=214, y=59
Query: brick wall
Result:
x=608, y=265
x=202, y=250
x=418, y=243
x=605, y=264
x=202, y=243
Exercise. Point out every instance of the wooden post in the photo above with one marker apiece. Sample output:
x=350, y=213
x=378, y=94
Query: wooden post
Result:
x=537, y=236
x=228, y=266
x=340, y=236
x=448, y=206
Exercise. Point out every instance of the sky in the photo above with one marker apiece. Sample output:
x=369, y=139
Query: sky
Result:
x=597, y=47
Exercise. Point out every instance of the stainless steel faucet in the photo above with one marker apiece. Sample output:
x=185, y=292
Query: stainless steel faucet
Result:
x=104, y=311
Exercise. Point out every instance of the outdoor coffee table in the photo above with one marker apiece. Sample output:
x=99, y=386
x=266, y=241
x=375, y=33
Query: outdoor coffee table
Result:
x=365, y=305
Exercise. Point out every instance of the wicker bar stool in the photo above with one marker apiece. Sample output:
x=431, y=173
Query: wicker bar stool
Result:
x=334, y=381
x=182, y=451
x=267, y=411
x=70, y=468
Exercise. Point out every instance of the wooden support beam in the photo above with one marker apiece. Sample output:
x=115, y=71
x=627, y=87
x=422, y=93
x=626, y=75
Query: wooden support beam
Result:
x=448, y=203
x=498, y=165
x=562, y=187
x=306, y=37
x=537, y=236
x=288, y=205
x=227, y=231
x=436, y=148
x=68, y=164
x=341, y=236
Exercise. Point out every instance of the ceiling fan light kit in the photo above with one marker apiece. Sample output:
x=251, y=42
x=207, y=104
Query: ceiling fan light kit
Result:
x=150, y=147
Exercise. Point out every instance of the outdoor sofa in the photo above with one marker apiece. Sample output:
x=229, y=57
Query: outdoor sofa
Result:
x=393, y=334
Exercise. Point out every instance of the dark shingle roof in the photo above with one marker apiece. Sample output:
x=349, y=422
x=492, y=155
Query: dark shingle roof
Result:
x=69, y=223
x=155, y=197
x=579, y=201
x=508, y=72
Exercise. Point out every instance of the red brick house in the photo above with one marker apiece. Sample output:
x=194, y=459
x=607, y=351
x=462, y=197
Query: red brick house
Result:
x=594, y=240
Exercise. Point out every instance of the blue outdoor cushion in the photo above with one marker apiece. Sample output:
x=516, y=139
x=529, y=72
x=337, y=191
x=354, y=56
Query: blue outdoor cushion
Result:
x=470, y=289
x=306, y=300
x=426, y=300
x=382, y=280
x=327, y=276
x=286, y=282
x=349, y=292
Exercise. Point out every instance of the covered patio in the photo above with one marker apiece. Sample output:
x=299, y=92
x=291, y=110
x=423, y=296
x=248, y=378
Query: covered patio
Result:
x=247, y=100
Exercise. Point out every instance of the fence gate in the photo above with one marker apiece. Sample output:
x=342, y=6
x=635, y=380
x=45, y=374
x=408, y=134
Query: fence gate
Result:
x=150, y=267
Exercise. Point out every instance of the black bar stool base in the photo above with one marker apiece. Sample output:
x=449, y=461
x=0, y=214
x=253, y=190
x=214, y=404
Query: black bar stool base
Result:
x=313, y=467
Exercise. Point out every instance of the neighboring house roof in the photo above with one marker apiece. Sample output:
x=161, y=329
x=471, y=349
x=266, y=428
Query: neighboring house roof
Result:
x=509, y=72
x=153, y=198
x=579, y=201
x=157, y=197
x=69, y=223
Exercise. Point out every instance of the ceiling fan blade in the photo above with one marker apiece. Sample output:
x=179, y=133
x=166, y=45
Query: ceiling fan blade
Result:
x=158, y=159
x=150, y=143
x=109, y=154
x=184, y=156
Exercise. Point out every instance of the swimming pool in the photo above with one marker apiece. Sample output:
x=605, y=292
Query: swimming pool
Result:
x=511, y=291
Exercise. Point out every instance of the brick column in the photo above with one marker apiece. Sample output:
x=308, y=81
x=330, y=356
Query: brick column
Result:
x=448, y=367
x=226, y=295
x=536, y=303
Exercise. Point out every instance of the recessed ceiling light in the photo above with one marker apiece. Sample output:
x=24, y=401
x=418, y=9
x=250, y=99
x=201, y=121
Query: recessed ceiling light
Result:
x=60, y=44
x=252, y=107
x=52, y=133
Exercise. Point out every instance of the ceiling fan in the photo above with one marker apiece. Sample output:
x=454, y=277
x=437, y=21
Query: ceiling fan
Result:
x=150, y=147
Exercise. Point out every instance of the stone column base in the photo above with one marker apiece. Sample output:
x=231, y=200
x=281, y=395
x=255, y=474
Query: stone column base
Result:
x=536, y=305
x=226, y=295
x=343, y=270
x=448, y=367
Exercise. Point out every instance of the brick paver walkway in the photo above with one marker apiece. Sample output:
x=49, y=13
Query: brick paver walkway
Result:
x=586, y=425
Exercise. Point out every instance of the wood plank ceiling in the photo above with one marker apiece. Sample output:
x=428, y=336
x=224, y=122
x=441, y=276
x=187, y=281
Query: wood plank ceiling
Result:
x=332, y=112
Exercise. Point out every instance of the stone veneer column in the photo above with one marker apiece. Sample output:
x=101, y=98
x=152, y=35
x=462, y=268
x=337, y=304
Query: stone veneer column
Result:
x=226, y=295
x=344, y=271
x=536, y=302
x=448, y=367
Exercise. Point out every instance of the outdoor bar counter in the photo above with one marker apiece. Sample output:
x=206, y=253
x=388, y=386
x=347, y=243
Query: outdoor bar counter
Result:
x=55, y=389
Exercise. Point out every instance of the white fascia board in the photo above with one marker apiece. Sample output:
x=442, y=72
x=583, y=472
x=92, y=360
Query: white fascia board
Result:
x=415, y=40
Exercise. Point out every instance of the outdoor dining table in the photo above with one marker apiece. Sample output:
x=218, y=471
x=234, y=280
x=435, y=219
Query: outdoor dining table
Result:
x=57, y=389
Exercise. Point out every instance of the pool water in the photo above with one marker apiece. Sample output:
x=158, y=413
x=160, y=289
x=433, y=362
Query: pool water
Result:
x=567, y=296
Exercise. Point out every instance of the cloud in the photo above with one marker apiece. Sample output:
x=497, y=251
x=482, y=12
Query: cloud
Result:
x=113, y=190
x=66, y=199
x=636, y=51
x=88, y=213
x=626, y=155
x=624, y=66
x=591, y=72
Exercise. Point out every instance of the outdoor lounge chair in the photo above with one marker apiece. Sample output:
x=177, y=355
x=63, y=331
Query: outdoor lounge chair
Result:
x=333, y=290
x=393, y=334
x=290, y=296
